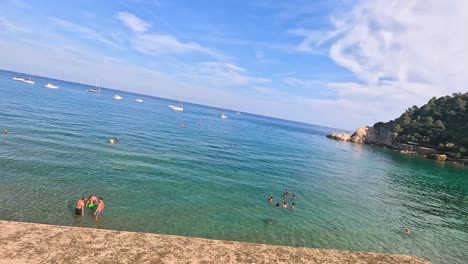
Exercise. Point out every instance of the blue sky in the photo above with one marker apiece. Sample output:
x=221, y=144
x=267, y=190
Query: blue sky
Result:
x=335, y=63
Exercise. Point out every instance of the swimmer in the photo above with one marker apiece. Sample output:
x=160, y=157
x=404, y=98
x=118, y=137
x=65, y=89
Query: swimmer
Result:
x=284, y=195
x=5, y=131
x=407, y=232
x=287, y=192
x=113, y=140
x=277, y=205
x=284, y=201
x=100, y=207
x=182, y=125
x=79, y=208
x=270, y=199
x=92, y=202
x=285, y=205
x=293, y=197
x=293, y=206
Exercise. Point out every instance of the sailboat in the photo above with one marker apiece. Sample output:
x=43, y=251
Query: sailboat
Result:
x=22, y=79
x=223, y=116
x=179, y=107
x=97, y=89
x=117, y=97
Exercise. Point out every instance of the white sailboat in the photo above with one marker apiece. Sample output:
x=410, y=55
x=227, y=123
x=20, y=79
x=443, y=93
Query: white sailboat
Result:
x=51, y=86
x=223, y=116
x=22, y=79
x=117, y=97
x=97, y=89
x=179, y=107
x=139, y=100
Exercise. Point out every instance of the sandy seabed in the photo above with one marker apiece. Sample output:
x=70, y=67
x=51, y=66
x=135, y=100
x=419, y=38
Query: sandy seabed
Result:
x=39, y=243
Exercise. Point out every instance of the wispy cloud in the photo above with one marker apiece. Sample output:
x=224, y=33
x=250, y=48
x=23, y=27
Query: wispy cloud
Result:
x=221, y=74
x=400, y=52
x=159, y=44
x=156, y=44
x=133, y=22
x=83, y=31
x=10, y=26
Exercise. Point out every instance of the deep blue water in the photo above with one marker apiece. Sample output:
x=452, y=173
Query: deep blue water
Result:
x=212, y=178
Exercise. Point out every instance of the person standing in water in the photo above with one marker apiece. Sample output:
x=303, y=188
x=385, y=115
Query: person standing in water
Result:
x=270, y=199
x=5, y=131
x=407, y=232
x=92, y=202
x=100, y=207
x=79, y=208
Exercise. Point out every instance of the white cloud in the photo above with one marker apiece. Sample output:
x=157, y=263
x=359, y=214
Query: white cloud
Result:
x=400, y=52
x=164, y=44
x=221, y=74
x=10, y=26
x=157, y=44
x=83, y=31
x=303, y=83
x=133, y=22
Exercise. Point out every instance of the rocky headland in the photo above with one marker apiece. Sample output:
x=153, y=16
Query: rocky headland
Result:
x=437, y=130
x=386, y=138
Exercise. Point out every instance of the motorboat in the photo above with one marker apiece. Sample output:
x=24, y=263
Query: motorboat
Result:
x=117, y=97
x=51, y=86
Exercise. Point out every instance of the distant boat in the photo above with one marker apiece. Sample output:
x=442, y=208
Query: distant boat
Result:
x=21, y=79
x=179, y=107
x=97, y=89
x=238, y=113
x=223, y=116
x=51, y=86
x=29, y=81
x=117, y=97
x=139, y=100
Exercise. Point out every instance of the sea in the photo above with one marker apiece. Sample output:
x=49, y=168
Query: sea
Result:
x=212, y=178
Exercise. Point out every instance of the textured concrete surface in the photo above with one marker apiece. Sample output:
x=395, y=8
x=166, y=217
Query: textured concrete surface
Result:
x=38, y=243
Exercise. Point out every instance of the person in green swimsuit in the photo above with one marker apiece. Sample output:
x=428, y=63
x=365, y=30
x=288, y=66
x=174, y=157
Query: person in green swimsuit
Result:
x=92, y=202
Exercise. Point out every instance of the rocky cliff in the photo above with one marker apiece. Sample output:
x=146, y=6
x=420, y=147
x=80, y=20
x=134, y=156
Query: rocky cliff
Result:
x=376, y=136
x=382, y=136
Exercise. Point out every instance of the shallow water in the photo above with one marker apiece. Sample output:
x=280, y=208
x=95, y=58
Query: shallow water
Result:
x=212, y=178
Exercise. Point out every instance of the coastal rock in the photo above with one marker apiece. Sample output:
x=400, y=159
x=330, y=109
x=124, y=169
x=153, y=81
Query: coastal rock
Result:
x=425, y=151
x=340, y=136
x=371, y=135
x=440, y=157
x=449, y=145
x=462, y=150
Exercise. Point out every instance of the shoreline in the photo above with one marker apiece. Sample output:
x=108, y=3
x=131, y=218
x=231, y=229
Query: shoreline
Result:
x=22, y=242
x=407, y=149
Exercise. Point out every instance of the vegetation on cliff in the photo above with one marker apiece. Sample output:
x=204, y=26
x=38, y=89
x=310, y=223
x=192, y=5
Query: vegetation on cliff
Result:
x=438, y=122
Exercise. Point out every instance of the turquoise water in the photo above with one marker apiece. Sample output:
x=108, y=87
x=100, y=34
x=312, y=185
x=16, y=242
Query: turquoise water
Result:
x=212, y=178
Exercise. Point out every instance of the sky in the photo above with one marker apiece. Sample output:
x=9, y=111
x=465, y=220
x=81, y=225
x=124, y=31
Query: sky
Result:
x=341, y=63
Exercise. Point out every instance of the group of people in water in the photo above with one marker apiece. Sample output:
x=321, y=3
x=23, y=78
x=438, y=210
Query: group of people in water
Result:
x=92, y=203
x=284, y=203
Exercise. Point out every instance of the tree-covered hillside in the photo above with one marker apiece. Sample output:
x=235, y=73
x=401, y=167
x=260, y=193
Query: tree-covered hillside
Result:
x=440, y=121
